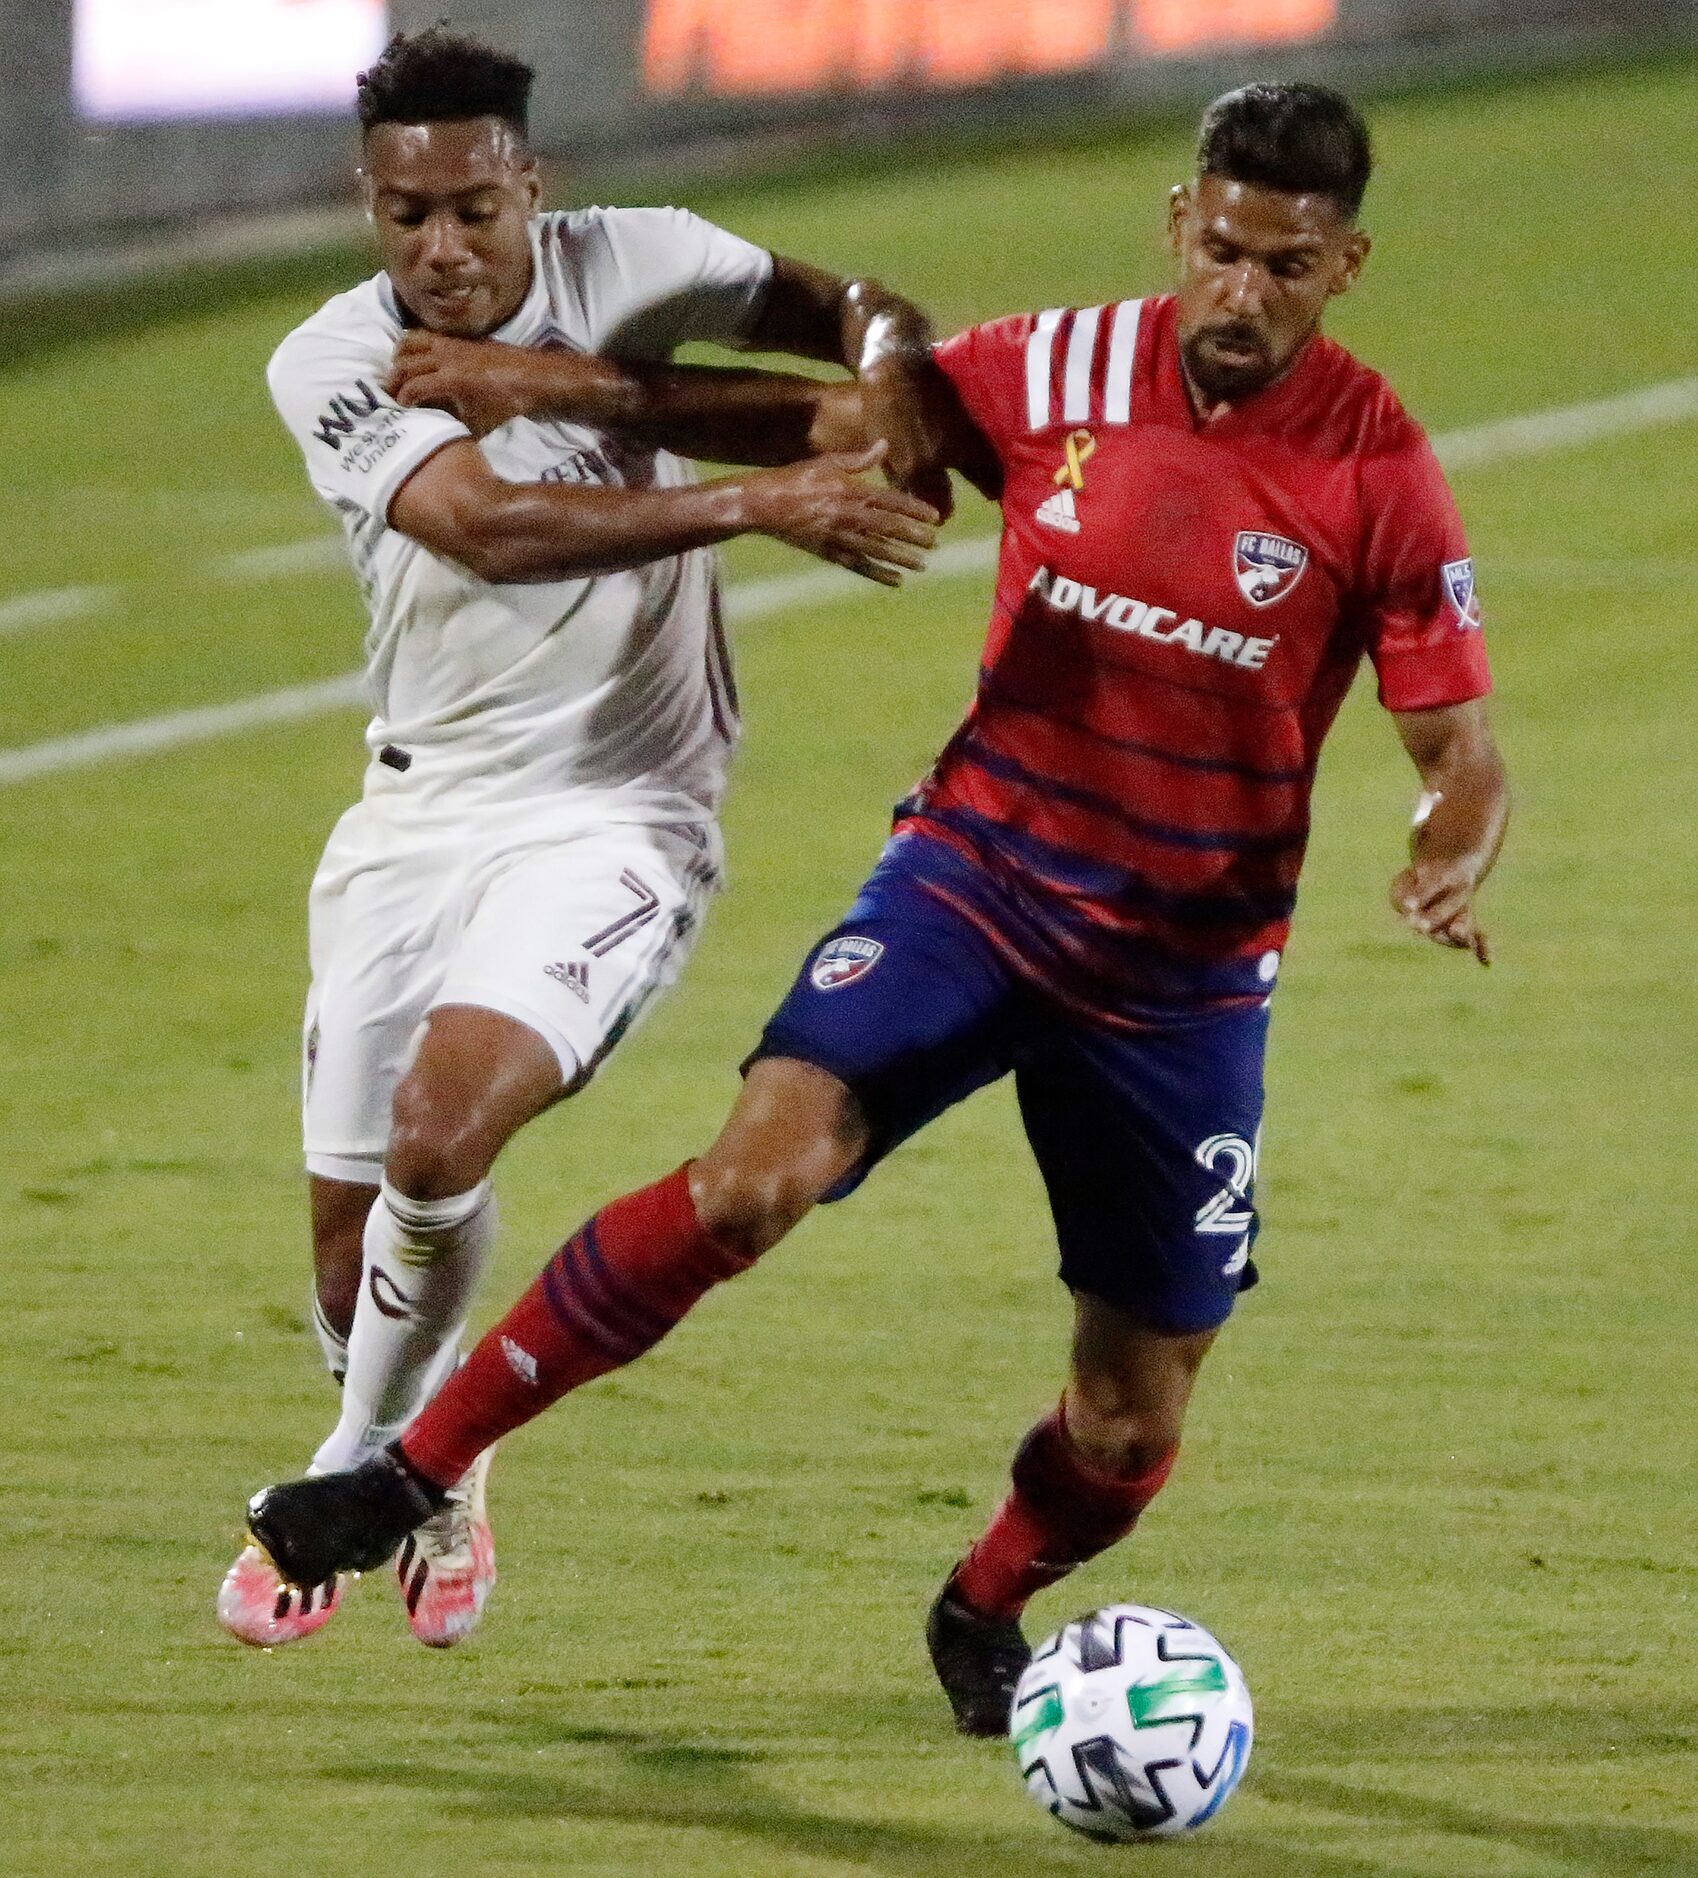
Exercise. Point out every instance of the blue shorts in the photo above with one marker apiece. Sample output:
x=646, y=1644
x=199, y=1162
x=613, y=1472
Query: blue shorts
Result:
x=1146, y=1138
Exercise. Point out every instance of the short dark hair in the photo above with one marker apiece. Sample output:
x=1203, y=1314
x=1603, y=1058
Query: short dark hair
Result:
x=1301, y=138
x=423, y=78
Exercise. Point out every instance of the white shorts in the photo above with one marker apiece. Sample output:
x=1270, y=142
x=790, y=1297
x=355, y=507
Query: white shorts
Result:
x=571, y=929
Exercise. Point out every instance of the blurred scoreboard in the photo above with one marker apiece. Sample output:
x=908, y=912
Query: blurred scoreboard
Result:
x=752, y=47
x=140, y=61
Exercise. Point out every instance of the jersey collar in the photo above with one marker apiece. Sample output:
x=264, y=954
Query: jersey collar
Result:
x=526, y=326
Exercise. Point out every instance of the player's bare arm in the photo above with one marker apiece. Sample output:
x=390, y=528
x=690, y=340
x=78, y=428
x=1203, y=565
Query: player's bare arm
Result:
x=845, y=417
x=457, y=506
x=883, y=338
x=1460, y=829
x=727, y=415
x=862, y=325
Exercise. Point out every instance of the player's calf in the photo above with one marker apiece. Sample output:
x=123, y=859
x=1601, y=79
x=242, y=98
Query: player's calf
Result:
x=478, y=1078
x=628, y=1276
x=340, y=1209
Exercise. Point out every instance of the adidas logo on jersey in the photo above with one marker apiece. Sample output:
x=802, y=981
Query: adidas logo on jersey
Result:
x=1060, y=511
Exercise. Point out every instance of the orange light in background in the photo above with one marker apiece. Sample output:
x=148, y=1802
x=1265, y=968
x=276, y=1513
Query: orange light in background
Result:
x=747, y=46
x=762, y=45
x=971, y=41
x=1202, y=25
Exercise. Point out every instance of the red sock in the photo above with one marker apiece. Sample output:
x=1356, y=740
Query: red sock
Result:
x=611, y=1292
x=1061, y=1512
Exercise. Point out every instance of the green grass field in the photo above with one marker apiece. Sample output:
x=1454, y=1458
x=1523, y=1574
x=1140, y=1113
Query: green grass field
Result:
x=1437, y=1493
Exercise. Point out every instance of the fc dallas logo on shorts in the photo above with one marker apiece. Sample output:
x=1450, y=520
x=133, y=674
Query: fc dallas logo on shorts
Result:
x=1267, y=567
x=843, y=961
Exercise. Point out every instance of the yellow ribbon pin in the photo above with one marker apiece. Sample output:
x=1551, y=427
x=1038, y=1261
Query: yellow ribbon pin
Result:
x=1081, y=447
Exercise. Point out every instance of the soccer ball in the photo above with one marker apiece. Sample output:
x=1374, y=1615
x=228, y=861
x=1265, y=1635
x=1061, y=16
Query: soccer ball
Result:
x=1132, y=1723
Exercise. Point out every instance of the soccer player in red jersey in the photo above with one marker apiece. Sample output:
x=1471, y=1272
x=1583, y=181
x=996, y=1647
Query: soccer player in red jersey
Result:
x=1211, y=513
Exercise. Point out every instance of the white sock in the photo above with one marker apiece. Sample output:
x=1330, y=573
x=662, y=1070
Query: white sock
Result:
x=423, y=1259
x=330, y=1340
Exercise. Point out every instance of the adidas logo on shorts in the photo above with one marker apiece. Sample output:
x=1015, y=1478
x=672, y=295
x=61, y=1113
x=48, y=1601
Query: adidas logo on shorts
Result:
x=573, y=974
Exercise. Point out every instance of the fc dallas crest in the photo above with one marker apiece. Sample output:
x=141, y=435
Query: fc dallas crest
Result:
x=1267, y=567
x=843, y=961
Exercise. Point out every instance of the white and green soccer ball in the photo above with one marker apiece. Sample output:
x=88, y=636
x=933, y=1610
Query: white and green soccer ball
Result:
x=1132, y=1723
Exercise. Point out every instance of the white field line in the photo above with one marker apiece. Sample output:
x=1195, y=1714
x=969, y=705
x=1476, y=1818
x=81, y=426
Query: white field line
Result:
x=319, y=554
x=144, y=735
x=1568, y=427
x=1653, y=407
x=54, y=606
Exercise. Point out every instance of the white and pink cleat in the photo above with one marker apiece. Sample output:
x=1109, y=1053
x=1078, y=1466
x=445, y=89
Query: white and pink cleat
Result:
x=446, y=1568
x=256, y=1606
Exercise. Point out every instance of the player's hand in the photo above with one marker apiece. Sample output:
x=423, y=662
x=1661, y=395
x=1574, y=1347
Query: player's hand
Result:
x=826, y=508
x=483, y=382
x=1436, y=899
x=894, y=407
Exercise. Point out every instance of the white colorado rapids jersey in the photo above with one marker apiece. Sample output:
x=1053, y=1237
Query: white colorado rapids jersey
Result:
x=616, y=687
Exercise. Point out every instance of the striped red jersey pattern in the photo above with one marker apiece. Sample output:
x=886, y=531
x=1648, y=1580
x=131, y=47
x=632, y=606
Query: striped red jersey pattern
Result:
x=1180, y=609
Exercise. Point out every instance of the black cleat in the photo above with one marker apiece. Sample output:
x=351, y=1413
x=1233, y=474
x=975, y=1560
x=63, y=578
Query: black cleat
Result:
x=312, y=1529
x=979, y=1660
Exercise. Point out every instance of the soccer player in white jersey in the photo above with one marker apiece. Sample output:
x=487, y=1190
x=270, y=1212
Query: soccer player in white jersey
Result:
x=535, y=844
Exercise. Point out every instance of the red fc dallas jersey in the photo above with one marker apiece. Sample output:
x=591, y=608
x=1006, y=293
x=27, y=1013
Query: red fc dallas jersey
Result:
x=1180, y=608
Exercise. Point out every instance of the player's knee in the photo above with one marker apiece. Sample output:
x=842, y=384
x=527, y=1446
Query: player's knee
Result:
x=1121, y=1436
x=433, y=1156
x=746, y=1208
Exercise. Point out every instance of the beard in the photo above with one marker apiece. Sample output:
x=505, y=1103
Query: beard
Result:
x=1229, y=361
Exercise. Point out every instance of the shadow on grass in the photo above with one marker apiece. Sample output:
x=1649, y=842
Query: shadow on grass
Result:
x=659, y=1777
x=1302, y=1755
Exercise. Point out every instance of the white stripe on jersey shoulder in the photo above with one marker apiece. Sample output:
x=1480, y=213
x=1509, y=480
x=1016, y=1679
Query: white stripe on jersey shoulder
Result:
x=1039, y=348
x=1122, y=350
x=1076, y=378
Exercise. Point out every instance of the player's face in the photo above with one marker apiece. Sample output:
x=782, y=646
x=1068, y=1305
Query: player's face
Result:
x=1256, y=270
x=451, y=203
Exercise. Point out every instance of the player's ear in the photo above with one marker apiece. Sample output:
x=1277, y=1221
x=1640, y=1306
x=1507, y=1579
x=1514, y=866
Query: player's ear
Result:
x=368, y=192
x=530, y=180
x=1178, y=207
x=1352, y=255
